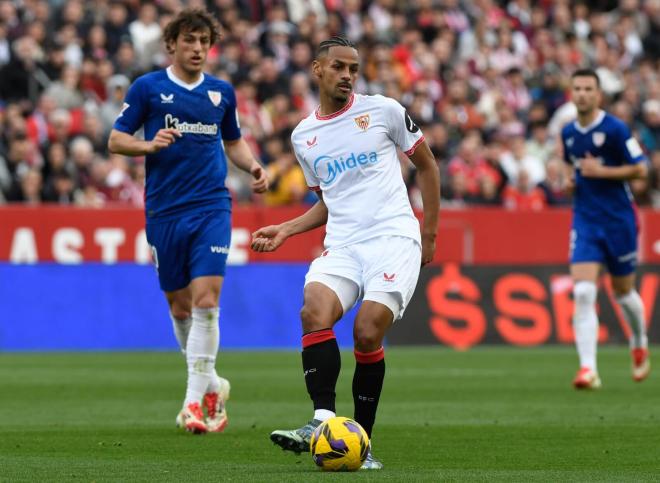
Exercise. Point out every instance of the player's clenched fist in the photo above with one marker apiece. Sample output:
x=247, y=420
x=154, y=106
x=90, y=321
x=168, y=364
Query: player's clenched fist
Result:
x=163, y=139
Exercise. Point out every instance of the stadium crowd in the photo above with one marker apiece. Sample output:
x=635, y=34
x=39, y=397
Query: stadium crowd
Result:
x=485, y=80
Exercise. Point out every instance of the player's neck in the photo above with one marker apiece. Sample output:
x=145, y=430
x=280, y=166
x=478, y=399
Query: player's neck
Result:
x=184, y=76
x=587, y=118
x=329, y=105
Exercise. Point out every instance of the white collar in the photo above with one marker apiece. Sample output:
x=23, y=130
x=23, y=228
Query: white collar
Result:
x=179, y=82
x=596, y=122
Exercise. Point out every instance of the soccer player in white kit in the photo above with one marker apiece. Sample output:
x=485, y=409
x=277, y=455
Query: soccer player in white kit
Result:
x=374, y=245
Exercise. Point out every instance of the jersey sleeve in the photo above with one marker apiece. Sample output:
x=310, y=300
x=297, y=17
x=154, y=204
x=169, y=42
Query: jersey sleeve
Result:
x=230, y=126
x=402, y=129
x=313, y=182
x=134, y=111
x=632, y=151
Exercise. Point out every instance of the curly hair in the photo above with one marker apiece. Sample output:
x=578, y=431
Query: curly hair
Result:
x=191, y=20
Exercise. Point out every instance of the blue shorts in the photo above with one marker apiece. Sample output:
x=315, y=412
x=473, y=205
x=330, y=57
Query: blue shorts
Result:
x=613, y=246
x=193, y=245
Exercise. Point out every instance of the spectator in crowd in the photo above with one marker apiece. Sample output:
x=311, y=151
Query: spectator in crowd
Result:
x=287, y=181
x=516, y=159
x=60, y=189
x=497, y=69
x=110, y=109
x=554, y=185
x=523, y=195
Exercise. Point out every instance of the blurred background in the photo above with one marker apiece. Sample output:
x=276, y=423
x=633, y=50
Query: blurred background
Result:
x=486, y=80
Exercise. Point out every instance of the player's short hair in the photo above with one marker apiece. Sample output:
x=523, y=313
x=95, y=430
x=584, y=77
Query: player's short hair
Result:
x=336, y=41
x=191, y=20
x=586, y=73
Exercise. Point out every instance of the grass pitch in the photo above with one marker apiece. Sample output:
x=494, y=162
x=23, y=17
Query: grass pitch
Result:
x=490, y=414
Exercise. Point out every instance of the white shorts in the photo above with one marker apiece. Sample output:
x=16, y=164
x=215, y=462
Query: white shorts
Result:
x=382, y=269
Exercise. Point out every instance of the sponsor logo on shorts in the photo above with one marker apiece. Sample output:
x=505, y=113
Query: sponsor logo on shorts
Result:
x=628, y=257
x=389, y=278
x=218, y=249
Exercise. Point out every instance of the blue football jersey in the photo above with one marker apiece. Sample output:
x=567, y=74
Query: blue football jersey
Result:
x=609, y=140
x=190, y=174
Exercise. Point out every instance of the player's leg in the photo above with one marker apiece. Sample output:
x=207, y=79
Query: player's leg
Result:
x=587, y=253
x=321, y=359
x=372, y=322
x=585, y=323
x=203, y=343
x=632, y=308
x=329, y=292
x=391, y=272
x=622, y=261
x=170, y=258
x=180, y=303
x=210, y=240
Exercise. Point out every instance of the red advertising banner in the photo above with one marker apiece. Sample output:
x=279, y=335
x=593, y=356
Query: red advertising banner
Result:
x=110, y=235
x=521, y=305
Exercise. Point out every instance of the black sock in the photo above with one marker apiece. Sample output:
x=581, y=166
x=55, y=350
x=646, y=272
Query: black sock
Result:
x=321, y=364
x=367, y=385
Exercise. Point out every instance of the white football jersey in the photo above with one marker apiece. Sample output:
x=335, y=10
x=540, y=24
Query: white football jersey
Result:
x=351, y=157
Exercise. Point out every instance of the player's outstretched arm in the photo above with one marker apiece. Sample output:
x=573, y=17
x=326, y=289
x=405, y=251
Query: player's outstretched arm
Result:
x=122, y=143
x=269, y=238
x=240, y=154
x=428, y=176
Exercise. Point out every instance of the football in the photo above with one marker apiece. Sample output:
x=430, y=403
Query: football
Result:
x=339, y=444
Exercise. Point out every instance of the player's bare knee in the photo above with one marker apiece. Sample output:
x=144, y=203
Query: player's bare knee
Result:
x=180, y=314
x=180, y=309
x=206, y=301
x=312, y=319
x=623, y=287
x=368, y=337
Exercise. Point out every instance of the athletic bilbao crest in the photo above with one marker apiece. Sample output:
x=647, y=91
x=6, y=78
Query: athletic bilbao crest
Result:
x=215, y=97
x=362, y=122
x=598, y=138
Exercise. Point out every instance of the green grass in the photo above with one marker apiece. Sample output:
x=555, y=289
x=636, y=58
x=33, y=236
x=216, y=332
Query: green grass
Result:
x=490, y=414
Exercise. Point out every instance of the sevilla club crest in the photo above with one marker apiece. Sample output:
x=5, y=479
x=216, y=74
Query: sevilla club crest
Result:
x=215, y=97
x=363, y=121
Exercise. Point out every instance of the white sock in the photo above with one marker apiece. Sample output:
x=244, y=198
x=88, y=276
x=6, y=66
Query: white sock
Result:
x=585, y=323
x=633, y=311
x=181, y=330
x=323, y=414
x=201, y=351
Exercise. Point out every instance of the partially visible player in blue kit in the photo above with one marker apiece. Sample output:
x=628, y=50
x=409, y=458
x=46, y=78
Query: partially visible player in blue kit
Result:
x=187, y=117
x=603, y=156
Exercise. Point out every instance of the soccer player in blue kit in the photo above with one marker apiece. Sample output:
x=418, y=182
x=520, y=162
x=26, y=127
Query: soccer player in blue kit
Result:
x=603, y=156
x=187, y=117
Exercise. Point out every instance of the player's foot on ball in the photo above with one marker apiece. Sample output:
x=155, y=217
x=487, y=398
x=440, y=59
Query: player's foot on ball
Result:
x=216, y=412
x=586, y=379
x=191, y=418
x=296, y=440
x=371, y=463
x=641, y=364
